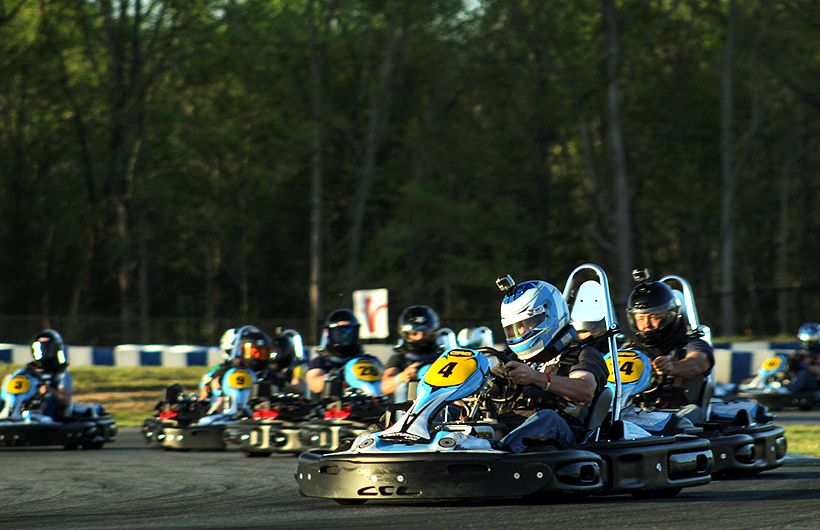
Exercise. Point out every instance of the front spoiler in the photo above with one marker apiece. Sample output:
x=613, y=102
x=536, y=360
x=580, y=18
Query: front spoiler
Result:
x=183, y=438
x=91, y=432
x=653, y=464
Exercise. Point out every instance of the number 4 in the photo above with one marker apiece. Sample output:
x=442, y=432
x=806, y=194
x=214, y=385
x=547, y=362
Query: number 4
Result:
x=447, y=369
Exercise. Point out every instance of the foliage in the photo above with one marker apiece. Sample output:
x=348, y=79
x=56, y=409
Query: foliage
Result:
x=157, y=156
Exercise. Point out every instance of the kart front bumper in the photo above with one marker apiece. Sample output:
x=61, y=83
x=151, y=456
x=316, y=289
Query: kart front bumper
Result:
x=183, y=438
x=263, y=437
x=748, y=450
x=91, y=432
x=417, y=477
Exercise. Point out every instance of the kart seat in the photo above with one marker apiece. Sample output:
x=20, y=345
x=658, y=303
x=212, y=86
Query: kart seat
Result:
x=598, y=411
x=588, y=314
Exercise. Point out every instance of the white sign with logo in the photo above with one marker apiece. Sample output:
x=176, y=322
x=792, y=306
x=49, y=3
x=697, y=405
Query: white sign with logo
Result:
x=370, y=307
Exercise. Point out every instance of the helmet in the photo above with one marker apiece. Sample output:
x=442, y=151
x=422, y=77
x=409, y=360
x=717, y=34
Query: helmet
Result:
x=49, y=351
x=657, y=299
x=253, y=348
x=283, y=350
x=475, y=337
x=340, y=334
x=809, y=334
x=226, y=342
x=535, y=318
x=417, y=329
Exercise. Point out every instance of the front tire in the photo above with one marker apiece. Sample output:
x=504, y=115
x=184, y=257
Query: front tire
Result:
x=666, y=493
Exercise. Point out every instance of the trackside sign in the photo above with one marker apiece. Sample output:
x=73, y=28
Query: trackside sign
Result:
x=370, y=307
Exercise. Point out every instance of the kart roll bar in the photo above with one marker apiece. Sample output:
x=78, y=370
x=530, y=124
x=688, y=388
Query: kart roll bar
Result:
x=590, y=271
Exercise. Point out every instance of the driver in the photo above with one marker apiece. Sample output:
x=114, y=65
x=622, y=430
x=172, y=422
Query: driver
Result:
x=681, y=359
x=50, y=364
x=559, y=375
x=805, y=364
x=417, y=347
x=251, y=350
x=339, y=344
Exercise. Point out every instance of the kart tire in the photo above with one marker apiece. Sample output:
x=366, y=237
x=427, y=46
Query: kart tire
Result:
x=71, y=447
x=93, y=445
x=666, y=493
x=252, y=454
x=350, y=502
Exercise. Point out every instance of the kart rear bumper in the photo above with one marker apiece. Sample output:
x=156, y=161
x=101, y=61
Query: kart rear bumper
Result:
x=86, y=432
x=173, y=437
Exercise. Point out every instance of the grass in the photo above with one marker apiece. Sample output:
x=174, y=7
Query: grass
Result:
x=803, y=439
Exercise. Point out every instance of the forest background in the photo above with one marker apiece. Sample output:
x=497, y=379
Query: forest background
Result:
x=169, y=168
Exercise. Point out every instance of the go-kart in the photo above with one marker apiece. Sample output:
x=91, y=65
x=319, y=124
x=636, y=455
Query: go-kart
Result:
x=346, y=408
x=182, y=422
x=770, y=387
x=21, y=423
x=425, y=455
x=273, y=425
x=743, y=437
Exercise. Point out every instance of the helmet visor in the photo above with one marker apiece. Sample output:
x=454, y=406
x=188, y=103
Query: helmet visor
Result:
x=255, y=351
x=519, y=329
x=344, y=335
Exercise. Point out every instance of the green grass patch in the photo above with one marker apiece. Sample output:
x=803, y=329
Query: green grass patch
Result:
x=803, y=439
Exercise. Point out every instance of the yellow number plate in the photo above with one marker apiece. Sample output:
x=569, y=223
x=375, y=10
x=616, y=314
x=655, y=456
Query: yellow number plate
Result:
x=451, y=370
x=367, y=371
x=772, y=363
x=631, y=367
x=19, y=384
x=240, y=379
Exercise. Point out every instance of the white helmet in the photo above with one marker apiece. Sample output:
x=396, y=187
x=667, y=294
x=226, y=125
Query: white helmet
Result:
x=534, y=315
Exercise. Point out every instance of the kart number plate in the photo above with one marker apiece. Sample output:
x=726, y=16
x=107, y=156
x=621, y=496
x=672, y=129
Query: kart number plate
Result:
x=632, y=366
x=452, y=369
x=240, y=379
x=772, y=363
x=367, y=371
x=19, y=384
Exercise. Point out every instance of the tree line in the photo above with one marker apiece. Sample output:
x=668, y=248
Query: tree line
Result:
x=170, y=166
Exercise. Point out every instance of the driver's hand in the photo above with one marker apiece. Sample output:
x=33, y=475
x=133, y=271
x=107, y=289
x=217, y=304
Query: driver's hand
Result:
x=499, y=371
x=43, y=389
x=409, y=373
x=664, y=365
x=521, y=373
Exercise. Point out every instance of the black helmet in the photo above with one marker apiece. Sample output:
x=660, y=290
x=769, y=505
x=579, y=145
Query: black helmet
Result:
x=340, y=334
x=49, y=351
x=282, y=352
x=253, y=349
x=417, y=328
x=657, y=299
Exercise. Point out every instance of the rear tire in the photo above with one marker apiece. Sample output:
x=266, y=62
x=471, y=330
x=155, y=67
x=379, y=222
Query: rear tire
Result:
x=249, y=454
x=93, y=445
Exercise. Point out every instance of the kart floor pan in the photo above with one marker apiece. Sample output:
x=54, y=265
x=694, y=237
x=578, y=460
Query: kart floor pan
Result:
x=414, y=477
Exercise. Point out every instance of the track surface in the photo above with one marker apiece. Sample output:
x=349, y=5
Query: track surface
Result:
x=127, y=485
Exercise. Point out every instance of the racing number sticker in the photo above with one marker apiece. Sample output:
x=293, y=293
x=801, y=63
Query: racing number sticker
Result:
x=772, y=363
x=19, y=384
x=367, y=371
x=631, y=367
x=452, y=369
x=240, y=379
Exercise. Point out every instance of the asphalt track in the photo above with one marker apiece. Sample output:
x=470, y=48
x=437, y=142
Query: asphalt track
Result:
x=127, y=485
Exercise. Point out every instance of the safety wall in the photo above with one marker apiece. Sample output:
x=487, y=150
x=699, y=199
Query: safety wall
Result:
x=733, y=361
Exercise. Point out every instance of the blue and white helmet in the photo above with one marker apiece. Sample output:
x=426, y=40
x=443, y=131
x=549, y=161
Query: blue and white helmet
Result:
x=809, y=334
x=534, y=314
